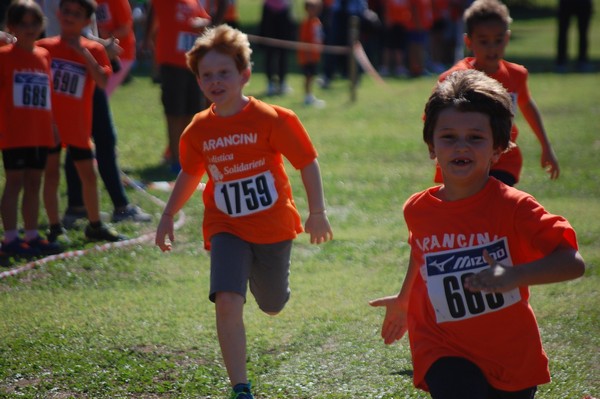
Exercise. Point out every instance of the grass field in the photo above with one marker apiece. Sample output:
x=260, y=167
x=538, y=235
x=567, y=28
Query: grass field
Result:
x=135, y=323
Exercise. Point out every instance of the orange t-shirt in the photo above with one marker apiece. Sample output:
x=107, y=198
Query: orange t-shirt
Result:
x=514, y=79
x=73, y=89
x=175, y=35
x=248, y=192
x=497, y=332
x=231, y=13
x=421, y=15
x=112, y=14
x=311, y=31
x=25, y=98
x=397, y=12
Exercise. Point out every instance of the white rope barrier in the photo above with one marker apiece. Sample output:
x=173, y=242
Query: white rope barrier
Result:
x=101, y=247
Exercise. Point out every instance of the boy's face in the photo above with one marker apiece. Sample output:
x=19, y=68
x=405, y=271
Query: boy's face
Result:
x=219, y=78
x=72, y=18
x=463, y=145
x=488, y=41
x=27, y=31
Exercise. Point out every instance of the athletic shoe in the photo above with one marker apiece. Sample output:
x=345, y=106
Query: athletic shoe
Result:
x=103, y=233
x=18, y=247
x=131, y=213
x=56, y=231
x=71, y=217
x=241, y=391
x=44, y=247
x=313, y=101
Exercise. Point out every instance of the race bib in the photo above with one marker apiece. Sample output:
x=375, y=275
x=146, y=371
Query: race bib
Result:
x=68, y=77
x=185, y=41
x=445, y=273
x=31, y=90
x=246, y=196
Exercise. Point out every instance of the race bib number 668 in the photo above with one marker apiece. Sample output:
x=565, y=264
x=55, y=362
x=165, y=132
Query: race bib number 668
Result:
x=445, y=273
x=246, y=196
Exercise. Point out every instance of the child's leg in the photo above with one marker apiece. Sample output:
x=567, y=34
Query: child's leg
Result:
x=50, y=189
x=89, y=182
x=31, y=199
x=230, y=260
x=9, y=204
x=229, y=308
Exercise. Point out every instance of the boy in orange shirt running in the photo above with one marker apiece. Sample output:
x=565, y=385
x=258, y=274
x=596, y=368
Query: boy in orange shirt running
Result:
x=25, y=128
x=476, y=246
x=487, y=23
x=250, y=217
x=78, y=64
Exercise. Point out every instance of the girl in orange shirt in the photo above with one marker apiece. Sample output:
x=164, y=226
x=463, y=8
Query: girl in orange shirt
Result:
x=25, y=128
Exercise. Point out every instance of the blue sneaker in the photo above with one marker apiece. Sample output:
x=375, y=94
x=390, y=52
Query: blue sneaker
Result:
x=241, y=391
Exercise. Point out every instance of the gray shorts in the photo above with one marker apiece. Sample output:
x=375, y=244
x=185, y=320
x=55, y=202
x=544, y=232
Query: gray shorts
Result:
x=235, y=262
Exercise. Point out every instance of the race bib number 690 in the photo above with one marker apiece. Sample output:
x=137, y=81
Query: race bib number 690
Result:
x=246, y=196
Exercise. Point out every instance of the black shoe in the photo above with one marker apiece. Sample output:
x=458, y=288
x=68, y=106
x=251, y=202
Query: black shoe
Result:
x=103, y=233
x=56, y=231
x=44, y=247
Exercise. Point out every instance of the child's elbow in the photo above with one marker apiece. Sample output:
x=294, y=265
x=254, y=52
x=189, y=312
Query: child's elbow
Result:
x=578, y=265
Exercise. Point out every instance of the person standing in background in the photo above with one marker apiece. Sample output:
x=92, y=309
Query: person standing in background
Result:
x=582, y=9
x=174, y=26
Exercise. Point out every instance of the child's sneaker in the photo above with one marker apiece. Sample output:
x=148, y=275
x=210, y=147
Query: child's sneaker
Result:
x=241, y=391
x=44, y=247
x=311, y=100
x=18, y=247
x=103, y=233
x=72, y=215
x=131, y=213
x=56, y=231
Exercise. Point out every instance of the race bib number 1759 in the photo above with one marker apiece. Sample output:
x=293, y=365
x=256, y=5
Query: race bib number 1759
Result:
x=445, y=273
x=246, y=196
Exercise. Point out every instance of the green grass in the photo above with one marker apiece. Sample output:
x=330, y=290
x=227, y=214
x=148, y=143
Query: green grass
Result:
x=135, y=323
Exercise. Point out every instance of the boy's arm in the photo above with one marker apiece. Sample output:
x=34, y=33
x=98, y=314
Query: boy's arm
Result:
x=564, y=263
x=93, y=67
x=533, y=117
x=184, y=187
x=317, y=224
x=396, y=307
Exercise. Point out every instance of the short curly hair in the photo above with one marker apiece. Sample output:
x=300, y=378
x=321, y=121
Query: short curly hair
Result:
x=225, y=40
x=483, y=11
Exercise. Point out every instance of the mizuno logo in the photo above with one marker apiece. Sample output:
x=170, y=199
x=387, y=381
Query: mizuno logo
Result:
x=440, y=265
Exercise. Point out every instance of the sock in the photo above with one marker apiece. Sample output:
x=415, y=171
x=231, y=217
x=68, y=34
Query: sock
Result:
x=10, y=235
x=96, y=225
x=31, y=234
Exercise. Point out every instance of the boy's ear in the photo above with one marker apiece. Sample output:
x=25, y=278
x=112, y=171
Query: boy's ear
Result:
x=496, y=154
x=467, y=41
x=246, y=75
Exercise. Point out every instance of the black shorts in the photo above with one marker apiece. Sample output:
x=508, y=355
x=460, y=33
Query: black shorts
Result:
x=25, y=158
x=459, y=378
x=310, y=69
x=395, y=37
x=180, y=93
x=80, y=154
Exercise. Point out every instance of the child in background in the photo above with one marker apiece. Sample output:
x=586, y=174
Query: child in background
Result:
x=25, y=128
x=250, y=218
x=418, y=28
x=78, y=64
x=487, y=23
x=397, y=15
x=476, y=246
x=311, y=31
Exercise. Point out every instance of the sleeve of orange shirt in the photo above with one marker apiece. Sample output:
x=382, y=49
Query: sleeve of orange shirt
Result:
x=291, y=139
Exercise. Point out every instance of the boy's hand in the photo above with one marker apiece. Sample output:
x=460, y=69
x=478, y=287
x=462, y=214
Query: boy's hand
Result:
x=550, y=164
x=165, y=229
x=317, y=225
x=6, y=38
x=498, y=278
x=394, y=323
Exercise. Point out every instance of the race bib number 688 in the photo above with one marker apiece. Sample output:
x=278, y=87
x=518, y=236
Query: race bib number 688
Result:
x=246, y=196
x=445, y=273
